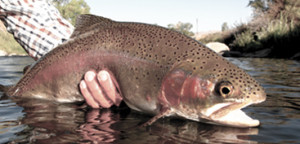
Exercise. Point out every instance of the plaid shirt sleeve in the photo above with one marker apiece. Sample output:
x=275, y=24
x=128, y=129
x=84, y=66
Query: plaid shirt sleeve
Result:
x=36, y=25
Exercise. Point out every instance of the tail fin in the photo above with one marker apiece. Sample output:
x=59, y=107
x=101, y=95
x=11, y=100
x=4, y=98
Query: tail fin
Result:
x=4, y=88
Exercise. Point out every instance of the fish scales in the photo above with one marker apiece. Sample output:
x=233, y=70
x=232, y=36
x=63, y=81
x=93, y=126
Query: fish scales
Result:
x=159, y=71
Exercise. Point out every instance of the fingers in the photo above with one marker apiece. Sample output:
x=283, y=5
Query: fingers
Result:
x=87, y=95
x=108, y=86
x=95, y=90
x=100, y=91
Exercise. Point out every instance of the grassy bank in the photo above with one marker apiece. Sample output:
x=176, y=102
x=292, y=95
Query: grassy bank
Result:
x=279, y=37
x=274, y=31
x=9, y=45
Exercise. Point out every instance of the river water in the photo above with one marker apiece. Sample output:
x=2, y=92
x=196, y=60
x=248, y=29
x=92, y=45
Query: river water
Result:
x=36, y=121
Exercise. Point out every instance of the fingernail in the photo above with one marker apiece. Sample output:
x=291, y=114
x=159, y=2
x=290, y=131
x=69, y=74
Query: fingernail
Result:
x=82, y=84
x=103, y=75
x=90, y=75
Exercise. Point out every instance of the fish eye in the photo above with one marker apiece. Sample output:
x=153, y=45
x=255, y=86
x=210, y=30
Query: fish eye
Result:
x=224, y=88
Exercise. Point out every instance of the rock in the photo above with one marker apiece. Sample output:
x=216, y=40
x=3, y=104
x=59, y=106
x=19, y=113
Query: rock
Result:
x=3, y=53
x=218, y=47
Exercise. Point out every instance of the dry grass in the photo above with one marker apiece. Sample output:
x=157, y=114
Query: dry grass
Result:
x=9, y=44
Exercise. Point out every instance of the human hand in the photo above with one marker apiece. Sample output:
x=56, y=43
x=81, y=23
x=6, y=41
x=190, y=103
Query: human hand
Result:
x=100, y=90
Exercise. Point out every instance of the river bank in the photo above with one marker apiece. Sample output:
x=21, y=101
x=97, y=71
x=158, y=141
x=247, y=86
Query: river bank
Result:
x=273, y=32
x=4, y=53
x=277, y=40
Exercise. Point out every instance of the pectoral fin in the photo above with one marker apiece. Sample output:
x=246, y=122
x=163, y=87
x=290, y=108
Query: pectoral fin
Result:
x=165, y=111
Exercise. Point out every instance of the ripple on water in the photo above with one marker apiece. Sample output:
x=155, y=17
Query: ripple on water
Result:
x=10, y=114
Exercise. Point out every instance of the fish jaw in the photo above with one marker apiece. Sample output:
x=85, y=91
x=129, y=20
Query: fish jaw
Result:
x=198, y=98
x=231, y=114
x=228, y=114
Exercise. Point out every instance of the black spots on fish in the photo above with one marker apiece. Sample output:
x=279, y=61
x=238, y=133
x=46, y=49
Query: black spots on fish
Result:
x=195, y=44
x=134, y=70
x=157, y=77
x=170, y=44
x=152, y=40
x=217, y=57
x=192, y=50
x=199, y=49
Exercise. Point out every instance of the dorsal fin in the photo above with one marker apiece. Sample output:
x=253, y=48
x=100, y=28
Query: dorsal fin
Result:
x=86, y=21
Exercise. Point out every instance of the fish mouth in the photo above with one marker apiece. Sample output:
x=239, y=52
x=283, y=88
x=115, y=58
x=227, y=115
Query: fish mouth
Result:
x=230, y=114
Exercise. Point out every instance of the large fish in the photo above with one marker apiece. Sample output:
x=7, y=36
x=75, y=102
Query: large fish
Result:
x=159, y=71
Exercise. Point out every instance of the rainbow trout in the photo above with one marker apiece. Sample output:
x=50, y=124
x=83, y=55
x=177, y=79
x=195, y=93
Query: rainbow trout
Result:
x=159, y=72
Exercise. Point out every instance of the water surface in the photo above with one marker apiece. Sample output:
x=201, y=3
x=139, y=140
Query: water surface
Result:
x=36, y=121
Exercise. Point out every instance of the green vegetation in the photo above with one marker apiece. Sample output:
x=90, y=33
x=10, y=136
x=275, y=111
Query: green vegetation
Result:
x=225, y=26
x=278, y=36
x=275, y=27
x=70, y=9
x=184, y=28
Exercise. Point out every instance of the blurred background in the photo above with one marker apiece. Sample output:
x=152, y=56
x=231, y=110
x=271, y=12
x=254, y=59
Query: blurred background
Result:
x=250, y=28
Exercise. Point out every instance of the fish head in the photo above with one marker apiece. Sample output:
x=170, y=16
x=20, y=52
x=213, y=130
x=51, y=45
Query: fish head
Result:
x=212, y=91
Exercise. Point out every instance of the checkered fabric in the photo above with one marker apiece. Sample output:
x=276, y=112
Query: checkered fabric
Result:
x=36, y=24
